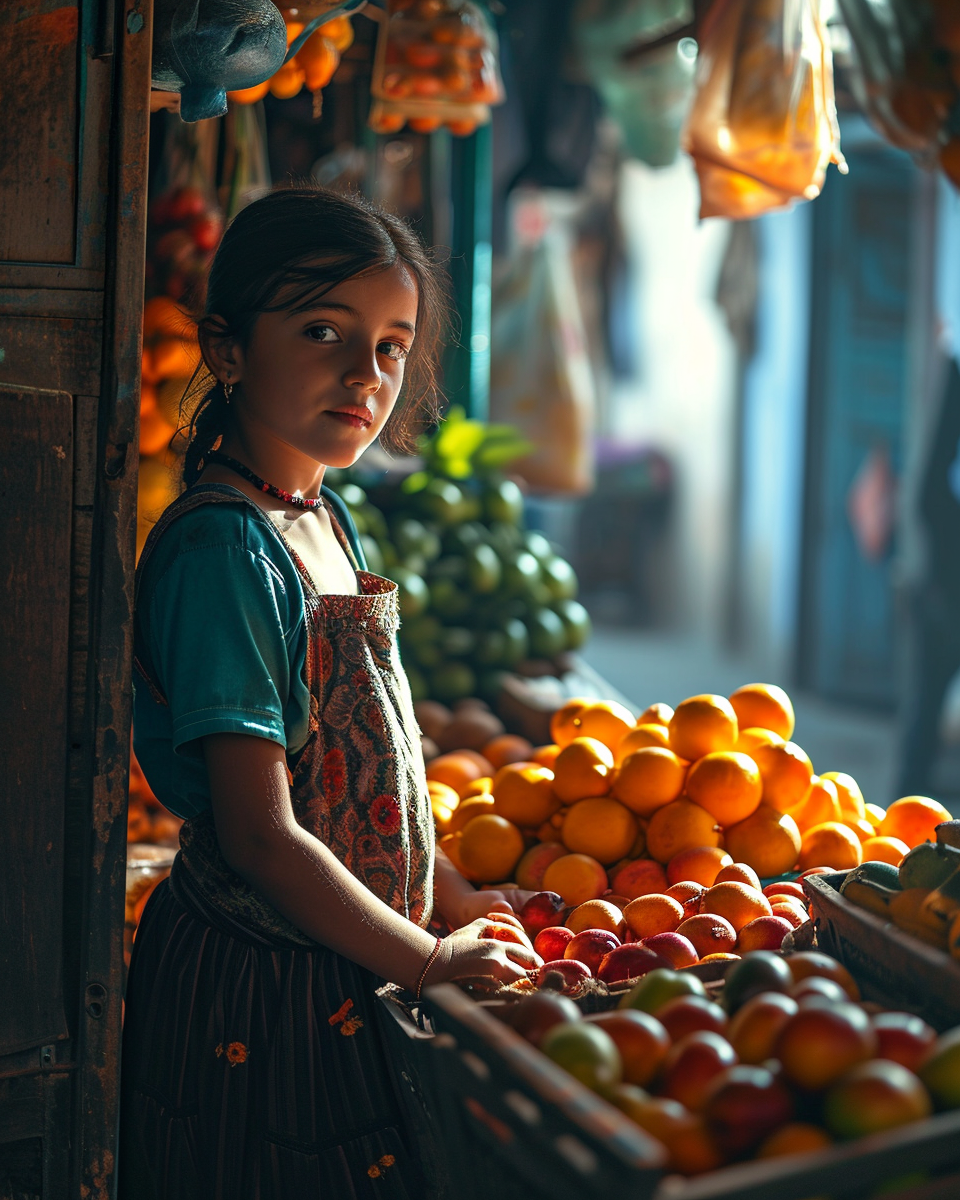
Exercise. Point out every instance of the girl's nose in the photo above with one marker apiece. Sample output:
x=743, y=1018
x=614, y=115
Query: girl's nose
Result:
x=363, y=371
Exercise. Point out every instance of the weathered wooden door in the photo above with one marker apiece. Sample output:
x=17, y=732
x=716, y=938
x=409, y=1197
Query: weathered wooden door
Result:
x=74, y=92
x=864, y=281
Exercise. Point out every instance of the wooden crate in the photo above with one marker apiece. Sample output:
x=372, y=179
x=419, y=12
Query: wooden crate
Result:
x=517, y=1127
x=892, y=967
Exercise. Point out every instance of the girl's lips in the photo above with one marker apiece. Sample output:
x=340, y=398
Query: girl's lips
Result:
x=359, y=418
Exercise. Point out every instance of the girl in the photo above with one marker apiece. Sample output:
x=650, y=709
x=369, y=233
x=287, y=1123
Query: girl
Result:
x=271, y=712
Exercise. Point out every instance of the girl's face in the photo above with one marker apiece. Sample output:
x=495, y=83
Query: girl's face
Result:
x=324, y=381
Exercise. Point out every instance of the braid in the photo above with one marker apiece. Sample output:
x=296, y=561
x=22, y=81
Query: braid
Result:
x=208, y=424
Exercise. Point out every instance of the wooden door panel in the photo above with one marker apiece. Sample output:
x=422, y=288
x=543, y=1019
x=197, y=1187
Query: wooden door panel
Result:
x=35, y=553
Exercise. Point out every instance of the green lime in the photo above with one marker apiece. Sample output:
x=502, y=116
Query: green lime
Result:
x=659, y=986
x=414, y=596
x=449, y=599
x=411, y=536
x=507, y=540
x=560, y=578
x=452, y=681
x=576, y=621
x=503, y=501
x=483, y=569
x=517, y=641
x=586, y=1051
x=548, y=634
x=443, y=502
x=520, y=574
x=538, y=545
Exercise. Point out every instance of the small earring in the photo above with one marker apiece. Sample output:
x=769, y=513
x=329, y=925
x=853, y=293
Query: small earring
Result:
x=227, y=389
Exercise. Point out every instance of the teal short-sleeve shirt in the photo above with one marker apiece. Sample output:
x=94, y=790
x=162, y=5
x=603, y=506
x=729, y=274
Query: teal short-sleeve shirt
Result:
x=220, y=631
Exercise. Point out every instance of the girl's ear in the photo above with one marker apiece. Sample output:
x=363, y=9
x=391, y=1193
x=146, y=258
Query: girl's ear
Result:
x=221, y=353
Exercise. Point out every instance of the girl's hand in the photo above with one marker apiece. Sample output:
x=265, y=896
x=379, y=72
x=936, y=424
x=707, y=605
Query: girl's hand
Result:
x=467, y=952
x=470, y=905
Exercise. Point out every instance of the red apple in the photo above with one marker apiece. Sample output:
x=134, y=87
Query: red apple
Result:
x=744, y=1105
x=674, y=947
x=590, y=946
x=641, y=1039
x=628, y=961
x=537, y=1013
x=693, y=1063
x=572, y=973
x=687, y=1014
x=552, y=942
x=542, y=911
x=902, y=1038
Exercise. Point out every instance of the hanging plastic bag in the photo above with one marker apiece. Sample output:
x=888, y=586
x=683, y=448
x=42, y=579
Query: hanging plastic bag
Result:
x=763, y=126
x=906, y=75
x=541, y=380
x=649, y=97
x=436, y=64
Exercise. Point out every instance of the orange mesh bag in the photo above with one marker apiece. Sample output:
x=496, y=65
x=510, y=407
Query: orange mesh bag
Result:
x=763, y=125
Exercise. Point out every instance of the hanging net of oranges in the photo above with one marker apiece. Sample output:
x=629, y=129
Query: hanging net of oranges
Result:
x=436, y=65
x=313, y=65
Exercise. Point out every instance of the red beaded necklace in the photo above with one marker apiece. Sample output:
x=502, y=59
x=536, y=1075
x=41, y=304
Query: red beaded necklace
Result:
x=216, y=456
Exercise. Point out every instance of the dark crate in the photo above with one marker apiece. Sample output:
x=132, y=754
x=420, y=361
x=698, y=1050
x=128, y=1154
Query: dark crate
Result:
x=891, y=967
x=520, y=1128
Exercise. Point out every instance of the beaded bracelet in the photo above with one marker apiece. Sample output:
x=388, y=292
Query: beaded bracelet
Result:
x=431, y=958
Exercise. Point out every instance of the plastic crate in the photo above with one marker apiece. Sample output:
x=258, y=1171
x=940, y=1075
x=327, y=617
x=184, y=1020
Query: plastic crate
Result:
x=520, y=1127
x=891, y=967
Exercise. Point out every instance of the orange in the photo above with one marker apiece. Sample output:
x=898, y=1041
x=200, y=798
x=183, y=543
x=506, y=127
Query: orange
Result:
x=288, y=80
x=450, y=845
x=649, y=778
x=652, y=914
x=539, y=856
x=443, y=801
x=819, y=804
x=726, y=784
x=318, y=58
x=475, y=806
x=575, y=877
x=600, y=827
x=545, y=756
x=738, y=872
x=884, y=849
x=584, y=767
x=848, y=794
x=786, y=772
x=562, y=727
x=640, y=736
x=862, y=828
x=874, y=814
x=768, y=841
x=605, y=720
x=656, y=714
x=475, y=756
x=490, y=848
x=595, y=914
x=523, y=793
x=507, y=748
x=830, y=845
x=701, y=725
x=456, y=769
x=749, y=739
x=699, y=864
x=913, y=819
x=680, y=825
x=738, y=903
x=479, y=787
x=764, y=706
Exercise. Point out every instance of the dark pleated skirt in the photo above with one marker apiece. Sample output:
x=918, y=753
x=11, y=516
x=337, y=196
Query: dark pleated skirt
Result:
x=252, y=1071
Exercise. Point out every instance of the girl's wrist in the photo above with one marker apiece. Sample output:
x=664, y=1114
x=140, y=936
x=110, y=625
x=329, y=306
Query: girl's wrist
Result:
x=432, y=967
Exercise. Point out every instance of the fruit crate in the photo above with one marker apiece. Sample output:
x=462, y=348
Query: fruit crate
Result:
x=514, y=1125
x=892, y=967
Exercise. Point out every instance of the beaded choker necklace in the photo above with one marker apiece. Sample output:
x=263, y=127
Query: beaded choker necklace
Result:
x=215, y=456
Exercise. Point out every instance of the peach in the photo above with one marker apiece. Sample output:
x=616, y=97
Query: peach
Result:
x=688, y=894
x=709, y=934
x=814, y=990
x=639, y=878
x=531, y=867
x=542, y=911
x=641, y=1039
x=590, y=946
x=595, y=914
x=902, y=1038
x=785, y=889
x=628, y=961
x=537, y=1013
x=692, y=1064
x=763, y=933
x=744, y=1105
x=687, y=1014
x=793, y=914
x=550, y=943
x=738, y=872
x=818, y=1045
x=755, y=1027
x=812, y=962
x=572, y=973
x=674, y=947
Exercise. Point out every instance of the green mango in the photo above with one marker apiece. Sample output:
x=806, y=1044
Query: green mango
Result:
x=928, y=865
x=881, y=873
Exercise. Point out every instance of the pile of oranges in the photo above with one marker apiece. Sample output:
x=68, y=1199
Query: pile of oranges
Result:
x=634, y=804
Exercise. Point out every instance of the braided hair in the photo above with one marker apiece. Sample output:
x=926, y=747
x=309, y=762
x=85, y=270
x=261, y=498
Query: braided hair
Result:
x=281, y=253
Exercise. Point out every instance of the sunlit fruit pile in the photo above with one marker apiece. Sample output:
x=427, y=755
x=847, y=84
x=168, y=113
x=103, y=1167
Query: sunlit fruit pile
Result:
x=627, y=804
x=922, y=895
x=436, y=66
x=314, y=64
x=785, y=1060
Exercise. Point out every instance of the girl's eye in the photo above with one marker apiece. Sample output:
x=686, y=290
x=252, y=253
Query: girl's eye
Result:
x=319, y=333
x=394, y=350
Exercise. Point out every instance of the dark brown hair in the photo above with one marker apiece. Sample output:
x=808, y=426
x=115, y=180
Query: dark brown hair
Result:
x=284, y=251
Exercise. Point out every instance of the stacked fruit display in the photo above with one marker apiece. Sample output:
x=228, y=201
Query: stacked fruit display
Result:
x=624, y=804
x=922, y=895
x=479, y=594
x=784, y=1060
x=436, y=66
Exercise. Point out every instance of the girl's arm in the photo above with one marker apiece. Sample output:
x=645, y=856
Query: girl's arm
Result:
x=307, y=883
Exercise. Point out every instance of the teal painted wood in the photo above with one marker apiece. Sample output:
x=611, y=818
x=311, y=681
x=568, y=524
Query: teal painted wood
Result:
x=857, y=397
